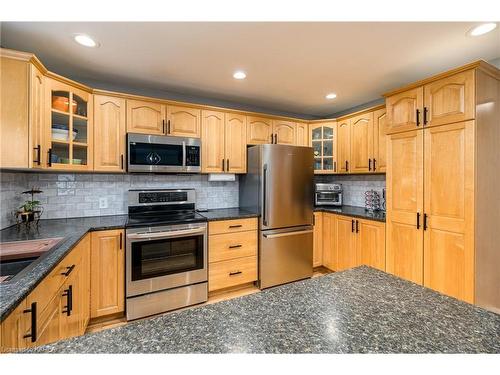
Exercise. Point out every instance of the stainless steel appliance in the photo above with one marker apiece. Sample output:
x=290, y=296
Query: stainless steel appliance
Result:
x=328, y=195
x=163, y=154
x=166, y=252
x=279, y=185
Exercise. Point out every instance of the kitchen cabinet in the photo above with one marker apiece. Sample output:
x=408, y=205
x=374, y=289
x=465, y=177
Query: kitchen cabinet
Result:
x=107, y=295
x=344, y=146
x=145, y=117
x=232, y=249
x=380, y=140
x=13, y=329
x=318, y=240
x=361, y=148
x=329, y=236
x=344, y=243
x=370, y=243
x=302, y=134
x=284, y=132
x=36, y=118
x=183, y=121
x=109, y=133
x=68, y=127
x=323, y=138
x=405, y=110
x=259, y=130
x=223, y=142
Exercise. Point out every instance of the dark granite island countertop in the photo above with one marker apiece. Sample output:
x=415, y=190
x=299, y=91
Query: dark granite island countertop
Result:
x=362, y=310
x=227, y=214
x=72, y=230
x=353, y=211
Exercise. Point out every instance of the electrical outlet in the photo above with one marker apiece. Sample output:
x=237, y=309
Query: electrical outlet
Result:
x=103, y=202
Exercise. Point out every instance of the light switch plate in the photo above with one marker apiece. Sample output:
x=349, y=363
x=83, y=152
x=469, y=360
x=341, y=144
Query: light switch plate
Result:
x=103, y=202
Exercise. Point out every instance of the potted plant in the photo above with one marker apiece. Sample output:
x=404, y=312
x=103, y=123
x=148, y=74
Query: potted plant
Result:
x=31, y=208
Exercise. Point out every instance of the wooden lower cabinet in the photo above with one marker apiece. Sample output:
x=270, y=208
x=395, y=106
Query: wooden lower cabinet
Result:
x=370, y=244
x=318, y=239
x=232, y=249
x=107, y=273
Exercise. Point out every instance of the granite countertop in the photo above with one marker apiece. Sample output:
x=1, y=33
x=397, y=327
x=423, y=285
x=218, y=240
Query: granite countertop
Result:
x=227, y=214
x=354, y=211
x=361, y=310
x=72, y=230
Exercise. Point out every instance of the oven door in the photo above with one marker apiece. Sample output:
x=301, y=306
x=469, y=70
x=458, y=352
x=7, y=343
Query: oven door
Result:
x=166, y=257
x=332, y=198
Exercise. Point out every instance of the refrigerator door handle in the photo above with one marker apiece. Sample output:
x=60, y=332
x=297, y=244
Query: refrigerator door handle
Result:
x=286, y=234
x=264, y=195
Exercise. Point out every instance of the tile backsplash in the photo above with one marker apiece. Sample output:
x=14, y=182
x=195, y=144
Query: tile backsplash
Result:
x=76, y=195
x=355, y=186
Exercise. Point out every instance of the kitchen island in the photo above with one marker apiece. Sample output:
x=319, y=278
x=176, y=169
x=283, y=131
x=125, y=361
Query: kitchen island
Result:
x=361, y=310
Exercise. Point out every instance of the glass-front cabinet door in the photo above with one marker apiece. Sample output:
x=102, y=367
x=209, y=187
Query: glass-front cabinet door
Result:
x=324, y=144
x=69, y=127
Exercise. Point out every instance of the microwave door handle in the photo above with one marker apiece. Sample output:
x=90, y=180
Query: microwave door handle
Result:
x=159, y=235
x=184, y=155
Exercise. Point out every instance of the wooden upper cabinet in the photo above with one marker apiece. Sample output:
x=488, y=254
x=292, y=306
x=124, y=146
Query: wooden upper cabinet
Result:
x=379, y=140
x=235, y=143
x=302, y=134
x=361, y=143
x=183, y=121
x=450, y=99
x=37, y=114
x=212, y=136
x=107, y=264
x=344, y=146
x=284, y=132
x=449, y=205
x=405, y=110
x=404, y=253
x=344, y=243
x=370, y=243
x=109, y=133
x=145, y=117
x=259, y=130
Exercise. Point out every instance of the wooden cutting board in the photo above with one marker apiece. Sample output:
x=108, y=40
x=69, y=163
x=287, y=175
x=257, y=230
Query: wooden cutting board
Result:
x=26, y=249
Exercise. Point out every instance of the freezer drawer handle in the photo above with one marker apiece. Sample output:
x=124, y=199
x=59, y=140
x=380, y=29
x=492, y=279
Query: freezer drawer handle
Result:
x=286, y=234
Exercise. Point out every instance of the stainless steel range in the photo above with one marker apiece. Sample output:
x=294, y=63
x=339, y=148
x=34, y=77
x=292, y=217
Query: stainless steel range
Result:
x=166, y=252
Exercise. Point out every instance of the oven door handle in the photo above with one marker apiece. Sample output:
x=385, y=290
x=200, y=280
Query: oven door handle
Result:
x=174, y=233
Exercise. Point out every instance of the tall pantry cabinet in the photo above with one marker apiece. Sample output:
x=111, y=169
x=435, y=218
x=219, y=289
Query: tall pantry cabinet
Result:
x=442, y=210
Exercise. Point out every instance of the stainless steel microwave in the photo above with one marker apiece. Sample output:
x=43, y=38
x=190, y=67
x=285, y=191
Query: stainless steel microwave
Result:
x=163, y=154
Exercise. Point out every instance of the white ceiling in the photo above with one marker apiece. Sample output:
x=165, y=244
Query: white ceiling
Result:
x=290, y=66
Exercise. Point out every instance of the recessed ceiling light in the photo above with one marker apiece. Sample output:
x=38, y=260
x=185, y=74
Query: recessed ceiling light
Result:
x=85, y=40
x=331, y=95
x=239, y=74
x=482, y=29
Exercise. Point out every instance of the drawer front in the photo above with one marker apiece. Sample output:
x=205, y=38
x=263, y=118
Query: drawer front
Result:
x=232, y=245
x=230, y=226
x=232, y=272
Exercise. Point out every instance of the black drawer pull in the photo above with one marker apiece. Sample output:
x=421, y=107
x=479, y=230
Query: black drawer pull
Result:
x=32, y=310
x=69, y=270
x=68, y=293
x=235, y=246
x=235, y=226
x=234, y=273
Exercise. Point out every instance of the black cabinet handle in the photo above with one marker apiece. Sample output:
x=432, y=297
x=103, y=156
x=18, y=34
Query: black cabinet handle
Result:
x=223, y=165
x=121, y=161
x=38, y=159
x=33, y=332
x=374, y=167
x=235, y=226
x=357, y=226
x=49, y=161
x=276, y=138
x=425, y=115
x=369, y=164
x=163, y=126
x=418, y=220
x=121, y=240
x=68, y=293
x=235, y=246
x=335, y=166
x=168, y=126
x=347, y=166
x=234, y=273
x=352, y=226
x=417, y=115
x=69, y=270
x=272, y=138
x=227, y=165
x=425, y=221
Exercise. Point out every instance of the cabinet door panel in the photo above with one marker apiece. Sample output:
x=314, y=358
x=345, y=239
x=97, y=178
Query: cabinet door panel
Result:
x=344, y=146
x=402, y=110
x=370, y=243
x=107, y=273
x=183, y=121
x=301, y=137
x=236, y=145
x=109, y=134
x=318, y=240
x=145, y=117
x=361, y=143
x=450, y=99
x=13, y=328
x=284, y=132
x=37, y=114
x=380, y=140
x=329, y=235
x=404, y=200
x=259, y=130
x=345, y=243
x=212, y=138
x=449, y=205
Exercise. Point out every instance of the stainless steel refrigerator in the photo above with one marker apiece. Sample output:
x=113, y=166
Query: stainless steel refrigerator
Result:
x=279, y=185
